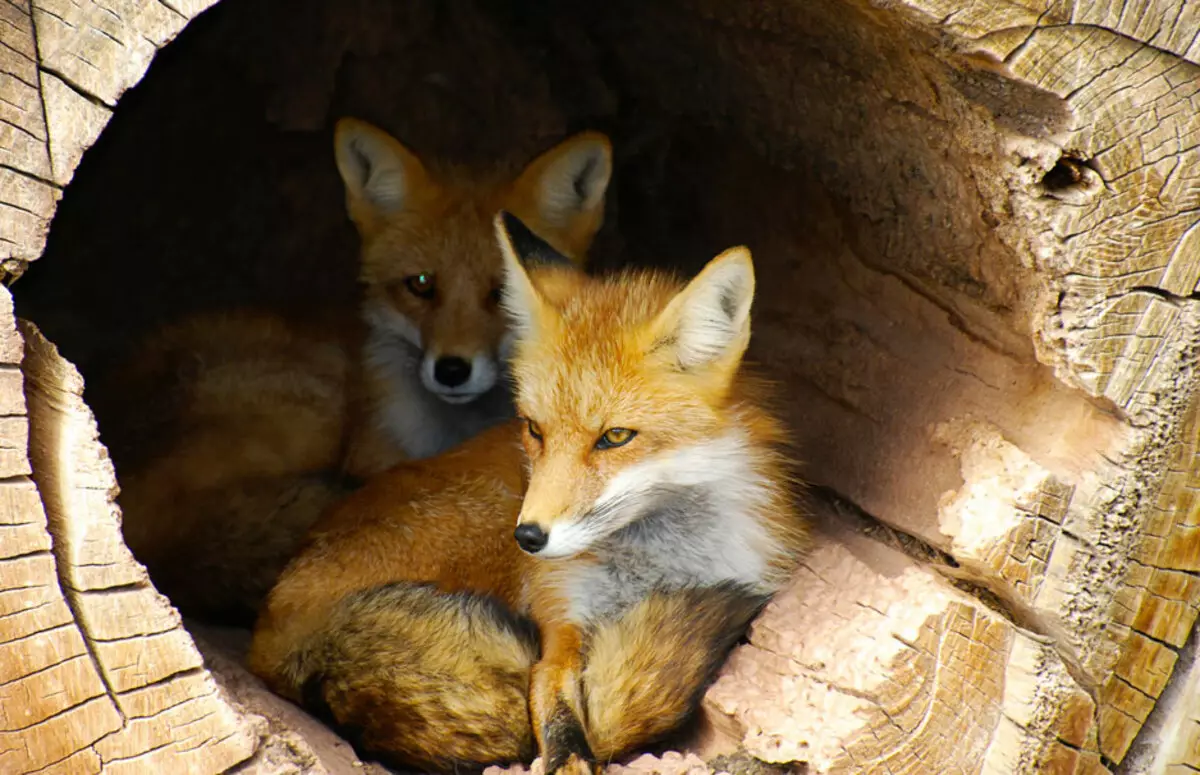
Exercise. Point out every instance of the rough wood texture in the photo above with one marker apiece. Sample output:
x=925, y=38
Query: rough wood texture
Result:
x=1123, y=328
x=979, y=229
x=97, y=673
x=117, y=683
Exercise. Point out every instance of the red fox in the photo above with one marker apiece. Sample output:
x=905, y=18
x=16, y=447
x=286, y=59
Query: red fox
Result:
x=575, y=598
x=436, y=336
x=229, y=428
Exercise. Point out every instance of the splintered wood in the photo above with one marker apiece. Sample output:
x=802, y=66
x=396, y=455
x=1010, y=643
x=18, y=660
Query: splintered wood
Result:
x=63, y=66
x=1124, y=329
x=98, y=674
x=864, y=664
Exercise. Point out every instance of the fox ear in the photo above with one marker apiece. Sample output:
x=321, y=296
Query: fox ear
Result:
x=380, y=174
x=523, y=249
x=709, y=320
x=566, y=186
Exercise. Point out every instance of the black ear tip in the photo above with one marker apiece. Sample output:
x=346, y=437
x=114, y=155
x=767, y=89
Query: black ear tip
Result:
x=511, y=222
x=517, y=231
x=529, y=247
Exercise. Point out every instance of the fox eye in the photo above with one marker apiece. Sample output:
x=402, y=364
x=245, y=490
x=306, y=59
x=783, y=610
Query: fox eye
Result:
x=615, y=437
x=534, y=430
x=493, y=296
x=421, y=285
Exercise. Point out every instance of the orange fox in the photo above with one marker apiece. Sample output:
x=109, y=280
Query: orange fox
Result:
x=229, y=428
x=436, y=336
x=652, y=520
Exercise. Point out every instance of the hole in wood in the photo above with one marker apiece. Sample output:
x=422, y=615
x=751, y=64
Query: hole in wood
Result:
x=1072, y=178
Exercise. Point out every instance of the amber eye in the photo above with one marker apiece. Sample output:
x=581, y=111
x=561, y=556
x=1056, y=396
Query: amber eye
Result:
x=615, y=437
x=421, y=285
x=534, y=430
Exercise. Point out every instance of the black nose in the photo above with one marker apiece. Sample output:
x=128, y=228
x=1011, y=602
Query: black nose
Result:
x=451, y=371
x=531, y=538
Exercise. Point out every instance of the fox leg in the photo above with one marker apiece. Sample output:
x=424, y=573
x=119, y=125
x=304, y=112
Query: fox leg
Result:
x=556, y=702
x=645, y=674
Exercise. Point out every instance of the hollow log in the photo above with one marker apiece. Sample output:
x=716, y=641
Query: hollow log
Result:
x=977, y=228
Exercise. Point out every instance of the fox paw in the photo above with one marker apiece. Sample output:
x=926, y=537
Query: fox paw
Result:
x=575, y=765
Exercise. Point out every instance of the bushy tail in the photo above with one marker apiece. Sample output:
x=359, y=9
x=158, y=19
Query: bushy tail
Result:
x=645, y=674
x=223, y=428
x=424, y=679
x=420, y=678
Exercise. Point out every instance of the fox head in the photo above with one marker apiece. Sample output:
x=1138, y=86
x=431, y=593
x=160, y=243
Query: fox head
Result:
x=624, y=384
x=430, y=266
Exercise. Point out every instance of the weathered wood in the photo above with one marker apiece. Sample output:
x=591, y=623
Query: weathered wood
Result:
x=134, y=639
x=1069, y=504
x=84, y=56
x=97, y=673
x=22, y=122
x=74, y=123
x=102, y=48
x=1125, y=329
x=26, y=200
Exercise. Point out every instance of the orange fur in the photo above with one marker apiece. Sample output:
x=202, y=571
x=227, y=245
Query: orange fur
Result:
x=635, y=351
x=231, y=429
x=440, y=226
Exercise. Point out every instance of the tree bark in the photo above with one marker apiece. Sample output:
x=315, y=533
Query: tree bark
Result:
x=990, y=368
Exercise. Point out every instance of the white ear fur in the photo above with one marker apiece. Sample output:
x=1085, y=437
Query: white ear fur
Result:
x=573, y=178
x=520, y=299
x=709, y=320
x=376, y=168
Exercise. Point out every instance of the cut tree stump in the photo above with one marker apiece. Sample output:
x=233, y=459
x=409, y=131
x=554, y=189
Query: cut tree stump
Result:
x=981, y=301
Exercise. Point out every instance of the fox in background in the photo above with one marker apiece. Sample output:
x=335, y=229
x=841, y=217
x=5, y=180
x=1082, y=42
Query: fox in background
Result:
x=653, y=519
x=232, y=431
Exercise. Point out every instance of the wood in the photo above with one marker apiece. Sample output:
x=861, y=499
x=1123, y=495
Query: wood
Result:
x=980, y=229
x=116, y=650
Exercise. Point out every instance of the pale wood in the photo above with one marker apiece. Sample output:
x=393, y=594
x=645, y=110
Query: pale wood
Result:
x=97, y=673
x=102, y=48
x=74, y=123
x=22, y=122
x=1127, y=263
x=26, y=200
x=120, y=647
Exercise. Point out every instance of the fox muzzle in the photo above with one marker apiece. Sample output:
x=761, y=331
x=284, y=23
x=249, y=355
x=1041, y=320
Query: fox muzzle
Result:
x=531, y=537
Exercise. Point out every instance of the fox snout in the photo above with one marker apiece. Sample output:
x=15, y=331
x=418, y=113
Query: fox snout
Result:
x=558, y=540
x=531, y=537
x=458, y=379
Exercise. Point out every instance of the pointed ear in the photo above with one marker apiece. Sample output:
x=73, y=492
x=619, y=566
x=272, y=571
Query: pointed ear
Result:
x=380, y=174
x=522, y=249
x=529, y=248
x=565, y=186
x=708, y=322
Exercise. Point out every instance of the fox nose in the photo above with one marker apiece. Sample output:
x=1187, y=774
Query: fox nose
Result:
x=531, y=538
x=451, y=371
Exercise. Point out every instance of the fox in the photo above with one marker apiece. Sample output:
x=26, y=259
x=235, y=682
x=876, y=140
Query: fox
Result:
x=566, y=584
x=436, y=339
x=232, y=430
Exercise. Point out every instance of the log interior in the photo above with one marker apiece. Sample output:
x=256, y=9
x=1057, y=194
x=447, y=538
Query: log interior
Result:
x=857, y=157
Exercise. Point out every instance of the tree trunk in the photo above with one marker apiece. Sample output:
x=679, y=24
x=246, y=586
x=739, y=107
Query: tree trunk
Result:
x=977, y=228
